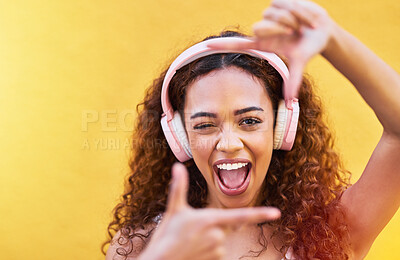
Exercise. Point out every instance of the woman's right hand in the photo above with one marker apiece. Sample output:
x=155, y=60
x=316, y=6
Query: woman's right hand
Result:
x=188, y=233
x=296, y=29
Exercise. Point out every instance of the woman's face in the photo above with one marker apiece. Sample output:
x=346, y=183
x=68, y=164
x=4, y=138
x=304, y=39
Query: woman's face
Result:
x=229, y=122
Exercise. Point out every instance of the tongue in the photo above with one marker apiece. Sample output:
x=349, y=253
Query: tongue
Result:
x=233, y=178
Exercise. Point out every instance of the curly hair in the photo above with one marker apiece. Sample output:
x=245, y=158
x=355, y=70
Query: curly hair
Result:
x=305, y=183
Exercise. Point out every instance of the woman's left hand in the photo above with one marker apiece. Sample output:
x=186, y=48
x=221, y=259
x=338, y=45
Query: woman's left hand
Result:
x=296, y=29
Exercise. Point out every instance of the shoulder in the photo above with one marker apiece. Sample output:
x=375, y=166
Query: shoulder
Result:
x=128, y=243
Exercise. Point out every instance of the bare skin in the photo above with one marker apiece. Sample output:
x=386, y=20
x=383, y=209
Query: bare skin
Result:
x=299, y=30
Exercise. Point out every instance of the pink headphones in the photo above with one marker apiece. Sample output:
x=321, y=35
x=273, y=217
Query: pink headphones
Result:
x=173, y=125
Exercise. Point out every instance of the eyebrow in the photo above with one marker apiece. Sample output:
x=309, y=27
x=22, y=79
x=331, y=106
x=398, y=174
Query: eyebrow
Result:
x=247, y=109
x=236, y=112
x=203, y=114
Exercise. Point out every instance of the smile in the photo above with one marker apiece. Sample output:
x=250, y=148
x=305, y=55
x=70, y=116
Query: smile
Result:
x=233, y=176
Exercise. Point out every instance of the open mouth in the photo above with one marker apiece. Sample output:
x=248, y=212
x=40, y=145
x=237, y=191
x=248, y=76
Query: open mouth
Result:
x=233, y=179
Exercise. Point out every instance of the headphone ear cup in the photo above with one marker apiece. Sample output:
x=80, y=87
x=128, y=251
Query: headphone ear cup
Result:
x=180, y=132
x=280, y=125
x=286, y=126
x=176, y=137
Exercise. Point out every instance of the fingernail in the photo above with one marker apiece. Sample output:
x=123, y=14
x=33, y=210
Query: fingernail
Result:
x=289, y=103
x=274, y=212
x=314, y=25
x=175, y=165
x=289, y=30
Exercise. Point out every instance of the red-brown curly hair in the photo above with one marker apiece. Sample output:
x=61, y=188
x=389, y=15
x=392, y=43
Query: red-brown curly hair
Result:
x=305, y=183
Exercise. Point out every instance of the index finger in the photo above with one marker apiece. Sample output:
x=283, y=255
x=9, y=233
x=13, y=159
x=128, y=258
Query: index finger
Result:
x=240, y=216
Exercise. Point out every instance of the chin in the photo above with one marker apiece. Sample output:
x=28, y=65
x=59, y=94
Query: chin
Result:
x=243, y=200
x=236, y=202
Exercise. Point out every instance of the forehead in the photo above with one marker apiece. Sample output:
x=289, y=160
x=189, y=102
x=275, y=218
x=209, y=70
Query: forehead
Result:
x=226, y=88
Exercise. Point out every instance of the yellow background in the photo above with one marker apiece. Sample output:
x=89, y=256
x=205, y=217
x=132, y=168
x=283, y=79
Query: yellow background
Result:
x=72, y=71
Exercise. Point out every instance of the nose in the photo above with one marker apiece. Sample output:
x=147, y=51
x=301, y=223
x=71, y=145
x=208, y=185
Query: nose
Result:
x=229, y=142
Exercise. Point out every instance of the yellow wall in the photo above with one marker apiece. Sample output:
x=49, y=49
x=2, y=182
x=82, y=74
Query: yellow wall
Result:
x=71, y=71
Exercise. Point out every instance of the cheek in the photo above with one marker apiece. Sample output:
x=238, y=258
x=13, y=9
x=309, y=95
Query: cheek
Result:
x=260, y=145
x=202, y=149
x=260, y=140
x=201, y=144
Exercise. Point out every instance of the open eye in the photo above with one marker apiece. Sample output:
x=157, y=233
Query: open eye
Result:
x=250, y=121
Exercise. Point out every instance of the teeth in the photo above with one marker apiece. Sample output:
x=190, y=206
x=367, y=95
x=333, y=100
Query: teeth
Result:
x=231, y=166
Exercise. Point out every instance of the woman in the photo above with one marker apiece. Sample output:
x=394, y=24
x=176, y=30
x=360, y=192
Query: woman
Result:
x=220, y=206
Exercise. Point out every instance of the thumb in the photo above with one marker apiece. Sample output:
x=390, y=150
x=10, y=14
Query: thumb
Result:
x=291, y=89
x=177, y=198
